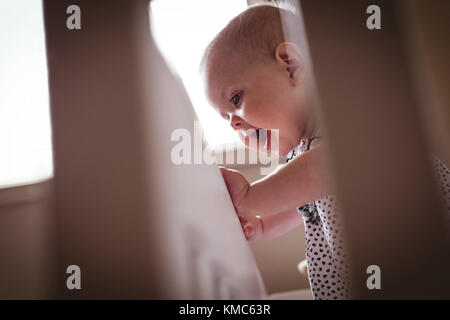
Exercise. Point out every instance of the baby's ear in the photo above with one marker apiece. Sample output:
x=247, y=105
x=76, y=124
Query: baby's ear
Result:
x=290, y=57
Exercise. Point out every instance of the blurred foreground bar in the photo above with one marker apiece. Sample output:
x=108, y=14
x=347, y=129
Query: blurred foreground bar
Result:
x=379, y=144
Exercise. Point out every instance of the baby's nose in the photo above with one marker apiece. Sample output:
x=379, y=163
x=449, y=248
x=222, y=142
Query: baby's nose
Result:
x=236, y=122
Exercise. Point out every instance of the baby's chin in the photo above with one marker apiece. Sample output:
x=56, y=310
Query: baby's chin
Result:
x=261, y=140
x=285, y=147
x=281, y=151
x=284, y=151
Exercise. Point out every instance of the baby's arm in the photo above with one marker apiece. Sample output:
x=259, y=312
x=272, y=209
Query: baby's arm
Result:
x=299, y=182
x=269, y=227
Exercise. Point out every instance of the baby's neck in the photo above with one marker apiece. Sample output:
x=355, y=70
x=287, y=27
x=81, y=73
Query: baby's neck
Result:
x=312, y=129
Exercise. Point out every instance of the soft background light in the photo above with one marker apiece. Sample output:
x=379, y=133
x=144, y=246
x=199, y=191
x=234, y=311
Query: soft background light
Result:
x=25, y=134
x=182, y=30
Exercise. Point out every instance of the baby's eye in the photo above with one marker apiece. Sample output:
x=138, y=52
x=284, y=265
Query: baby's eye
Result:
x=236, y=98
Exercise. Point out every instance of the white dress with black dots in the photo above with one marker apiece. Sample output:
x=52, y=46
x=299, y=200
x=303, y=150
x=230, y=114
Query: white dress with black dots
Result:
x=328, y=268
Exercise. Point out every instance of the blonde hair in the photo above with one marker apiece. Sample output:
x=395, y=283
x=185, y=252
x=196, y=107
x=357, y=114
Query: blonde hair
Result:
x=253, y=35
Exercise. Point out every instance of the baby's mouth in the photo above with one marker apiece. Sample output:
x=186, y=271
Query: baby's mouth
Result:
x=263, y=136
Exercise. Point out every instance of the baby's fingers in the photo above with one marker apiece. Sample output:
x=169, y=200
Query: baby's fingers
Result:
x=249, y=229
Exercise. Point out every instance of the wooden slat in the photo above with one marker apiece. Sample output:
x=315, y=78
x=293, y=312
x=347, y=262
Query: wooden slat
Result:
x=378, y=150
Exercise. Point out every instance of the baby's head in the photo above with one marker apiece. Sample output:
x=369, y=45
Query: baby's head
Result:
x=255, y=78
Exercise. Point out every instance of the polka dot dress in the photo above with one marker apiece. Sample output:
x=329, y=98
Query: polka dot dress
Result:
x=442, y=174
x=328, y=269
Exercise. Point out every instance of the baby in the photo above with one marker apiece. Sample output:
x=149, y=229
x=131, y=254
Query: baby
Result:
x=257, y=80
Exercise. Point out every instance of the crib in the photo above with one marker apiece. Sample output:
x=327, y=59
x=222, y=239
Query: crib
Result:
x=140, y=226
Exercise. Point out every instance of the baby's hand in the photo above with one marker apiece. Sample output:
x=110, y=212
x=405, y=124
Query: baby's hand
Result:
x=237, y=187
x=252, y=228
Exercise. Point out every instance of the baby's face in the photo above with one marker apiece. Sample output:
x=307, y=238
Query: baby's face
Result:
x=257, y=96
